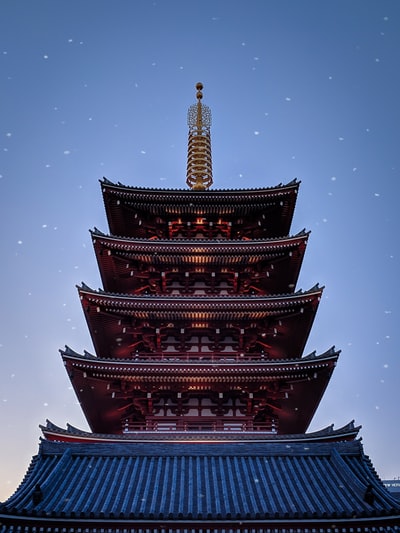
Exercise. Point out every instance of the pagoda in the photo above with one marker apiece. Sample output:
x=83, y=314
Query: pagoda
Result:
x=198, y=394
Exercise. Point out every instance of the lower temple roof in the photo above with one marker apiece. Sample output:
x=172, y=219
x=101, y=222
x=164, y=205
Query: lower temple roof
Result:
x=297, y=484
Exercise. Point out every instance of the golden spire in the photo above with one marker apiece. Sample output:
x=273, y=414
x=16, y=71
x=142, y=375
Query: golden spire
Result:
x=199, y=164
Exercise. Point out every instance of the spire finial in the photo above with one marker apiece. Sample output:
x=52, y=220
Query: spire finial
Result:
x=199, y=164
x=199, y=87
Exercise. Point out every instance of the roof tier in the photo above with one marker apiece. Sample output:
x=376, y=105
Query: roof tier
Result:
x=220, y=213
x=275, y=396
x=132, y=266
x=171, y=487
x=122, y=326
x=53, y=432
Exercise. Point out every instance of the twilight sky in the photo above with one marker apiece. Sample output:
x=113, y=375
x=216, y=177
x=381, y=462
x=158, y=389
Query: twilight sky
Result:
x=305, y=89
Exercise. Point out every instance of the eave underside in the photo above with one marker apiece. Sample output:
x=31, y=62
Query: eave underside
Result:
x=122, y=326
x=123, y=204
x=138, y=396
x=132, y=266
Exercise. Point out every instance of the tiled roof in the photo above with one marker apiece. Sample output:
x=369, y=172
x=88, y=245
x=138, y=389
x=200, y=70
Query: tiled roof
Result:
x=122, y=188
x=219, y=246
x=279, y=482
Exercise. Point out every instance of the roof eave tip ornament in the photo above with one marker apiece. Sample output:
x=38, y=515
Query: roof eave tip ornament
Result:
x=199, y=162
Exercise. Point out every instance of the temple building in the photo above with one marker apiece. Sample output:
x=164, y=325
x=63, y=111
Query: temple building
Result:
x=198, y=393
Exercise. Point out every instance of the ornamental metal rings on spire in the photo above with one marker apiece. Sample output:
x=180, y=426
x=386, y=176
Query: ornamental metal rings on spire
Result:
x=199, y=163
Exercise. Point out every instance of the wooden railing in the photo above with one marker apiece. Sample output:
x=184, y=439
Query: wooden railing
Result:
x=200, y=357
x=204, y=424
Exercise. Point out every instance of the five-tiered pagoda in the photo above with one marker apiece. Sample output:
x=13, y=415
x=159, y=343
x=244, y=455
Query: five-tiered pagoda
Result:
x=198, y=395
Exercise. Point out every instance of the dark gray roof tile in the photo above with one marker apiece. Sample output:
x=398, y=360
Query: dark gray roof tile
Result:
x=192, y=480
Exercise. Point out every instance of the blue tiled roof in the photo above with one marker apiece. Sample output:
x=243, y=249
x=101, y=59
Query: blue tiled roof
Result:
x=201, y=481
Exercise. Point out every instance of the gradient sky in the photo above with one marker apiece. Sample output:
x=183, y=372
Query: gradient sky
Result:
x=298, y=89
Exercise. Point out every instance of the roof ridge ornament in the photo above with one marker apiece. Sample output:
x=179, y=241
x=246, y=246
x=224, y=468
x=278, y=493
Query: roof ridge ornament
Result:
x=199, y=162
